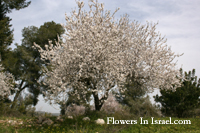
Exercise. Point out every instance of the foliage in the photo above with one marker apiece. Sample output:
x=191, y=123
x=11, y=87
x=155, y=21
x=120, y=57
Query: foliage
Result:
x=99, y=52
x=27, y=70
x=14, y=4
x=4, y=106
x=144, y=108
x=6, y=34
x=184, y=99
x=135, y=98
x=24, y=104
x=42, y=35
x=23, y=107
x=133, y=91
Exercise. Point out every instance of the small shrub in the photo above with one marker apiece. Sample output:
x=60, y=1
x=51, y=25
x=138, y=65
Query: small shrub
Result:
x=75, y=110
x=111, y=105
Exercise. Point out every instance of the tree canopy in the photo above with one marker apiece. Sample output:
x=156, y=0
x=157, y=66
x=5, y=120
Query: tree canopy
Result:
x=99, y=52
x=6, y=33
x=14, y=4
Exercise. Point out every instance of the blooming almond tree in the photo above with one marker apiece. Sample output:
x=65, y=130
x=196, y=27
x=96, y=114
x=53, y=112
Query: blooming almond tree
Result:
x=6, y=80
x=98, y=53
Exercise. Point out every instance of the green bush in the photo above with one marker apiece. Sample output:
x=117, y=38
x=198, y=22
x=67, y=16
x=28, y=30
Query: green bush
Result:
x=183, y=101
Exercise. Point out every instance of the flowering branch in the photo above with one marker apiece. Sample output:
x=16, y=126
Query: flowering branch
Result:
x=6, y=80
x=99, y=53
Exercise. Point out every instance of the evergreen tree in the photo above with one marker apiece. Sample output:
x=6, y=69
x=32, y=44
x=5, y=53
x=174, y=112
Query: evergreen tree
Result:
x=134, y=97
x=133, y=91
x=184, y=99
x=15, y=4
x=6, y=33
x=28, y=66
x=6, y=36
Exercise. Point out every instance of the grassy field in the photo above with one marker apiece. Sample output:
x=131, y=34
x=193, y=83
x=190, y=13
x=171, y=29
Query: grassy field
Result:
x=77, y=125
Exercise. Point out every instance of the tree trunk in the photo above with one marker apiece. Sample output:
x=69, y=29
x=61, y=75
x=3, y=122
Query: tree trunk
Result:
x=15, y=99
x=17, y=94
x=98, y=104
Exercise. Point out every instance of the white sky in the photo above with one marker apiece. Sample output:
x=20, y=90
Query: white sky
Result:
x=179, y=21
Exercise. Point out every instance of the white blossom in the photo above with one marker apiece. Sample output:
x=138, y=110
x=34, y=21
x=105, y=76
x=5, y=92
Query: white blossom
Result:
x=6, y=83
x=99, y=52
x=70, y=117
x=86, y=119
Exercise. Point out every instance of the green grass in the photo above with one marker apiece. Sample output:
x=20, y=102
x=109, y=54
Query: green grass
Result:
x=79, y=126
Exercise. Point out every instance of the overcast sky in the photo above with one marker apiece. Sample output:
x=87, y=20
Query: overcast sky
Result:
x=179, y=22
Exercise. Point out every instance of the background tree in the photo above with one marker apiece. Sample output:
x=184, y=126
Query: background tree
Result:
x=136, y=99
x=27, y=70
x=6, y=37
x=184, y=99
x=24, y=103
x=6, y=34
x=133, y=92
x=99, y=52
x=15, y=4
